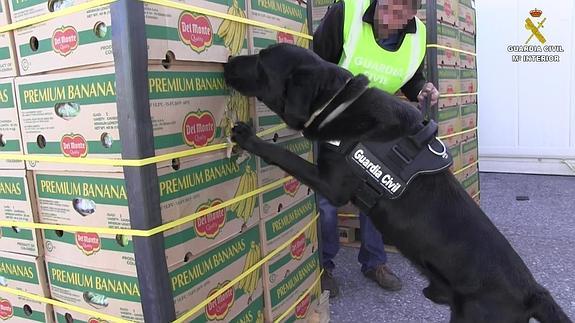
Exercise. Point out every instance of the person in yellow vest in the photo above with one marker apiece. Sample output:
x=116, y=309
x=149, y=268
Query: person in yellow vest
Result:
x=385, y=41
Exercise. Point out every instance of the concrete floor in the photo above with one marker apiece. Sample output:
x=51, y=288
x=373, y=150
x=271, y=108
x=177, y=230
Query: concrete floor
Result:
x=542, y=230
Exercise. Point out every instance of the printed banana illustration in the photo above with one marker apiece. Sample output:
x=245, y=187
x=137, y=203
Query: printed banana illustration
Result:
x=245, y=208
x=226, y=124
x=300, y=41
x=250, y=283
x=233, y=32
x=240, y=105
x=312, y=234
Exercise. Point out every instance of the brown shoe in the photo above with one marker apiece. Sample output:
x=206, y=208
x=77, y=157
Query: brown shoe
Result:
x=384, y=277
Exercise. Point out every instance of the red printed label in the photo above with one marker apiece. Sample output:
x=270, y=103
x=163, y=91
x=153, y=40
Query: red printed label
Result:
x=65, y=40
x=74, y=146
x=297, y=247
x=6, y=310
x=209, y=225
x=199, y=128
x=195, y=31
x=89, y=243
x=283, y=37
x=291, y=186
x=218, y=308
x=302, y=307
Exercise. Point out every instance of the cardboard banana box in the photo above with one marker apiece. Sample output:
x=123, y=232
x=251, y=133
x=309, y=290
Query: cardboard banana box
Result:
x=274, y=201
x=467, y=19
x=468, y=81
x=8, y=65
x=449, y=121
x=17, y=198
x=284, y=283
x=304, y=311
x=290, y=14
x=100, y=200
x=448, y=35
x=85, y=38
x=448, y=11
x=469, y=152
x=10, y=136
x=118, y=293
x=449, y=83
x=468, y=116
x=194, y=281
x=278, y=229
x=467, y=43
x=75, y=114
x=470, y=180
x=28, y=274
x=455, y=151
x=319, y=10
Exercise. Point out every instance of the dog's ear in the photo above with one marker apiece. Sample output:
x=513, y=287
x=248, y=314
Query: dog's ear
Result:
x=300, y=92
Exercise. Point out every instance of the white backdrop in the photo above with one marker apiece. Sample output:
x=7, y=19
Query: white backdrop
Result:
x=526, y=110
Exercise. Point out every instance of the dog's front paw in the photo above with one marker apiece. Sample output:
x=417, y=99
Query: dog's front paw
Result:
x=243, y=135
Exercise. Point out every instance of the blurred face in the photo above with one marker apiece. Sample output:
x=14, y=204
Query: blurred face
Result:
x=393, y=15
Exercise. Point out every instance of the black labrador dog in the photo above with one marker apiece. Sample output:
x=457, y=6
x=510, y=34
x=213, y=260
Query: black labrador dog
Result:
x=470, y=265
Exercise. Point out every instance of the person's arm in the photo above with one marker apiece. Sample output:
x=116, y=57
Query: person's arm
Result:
x=328, y=37
x=412, y=88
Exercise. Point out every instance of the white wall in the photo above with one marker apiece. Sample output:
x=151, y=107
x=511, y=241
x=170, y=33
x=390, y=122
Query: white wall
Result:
x=526, y=110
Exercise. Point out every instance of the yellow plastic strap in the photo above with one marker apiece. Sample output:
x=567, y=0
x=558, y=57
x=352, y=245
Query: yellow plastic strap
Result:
x=61, y=304
x=236, y=280
x=187, y=7
x=456, y=95
x=457, y=133
x=53, y=15
x=194, y=216
x=130, y=162
x=451, y=49
x=309, y=290
x=150, y=232
x=183, y=317
x=465, y=168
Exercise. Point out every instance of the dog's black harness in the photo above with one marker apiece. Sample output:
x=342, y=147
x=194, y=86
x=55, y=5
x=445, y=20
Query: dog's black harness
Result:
x=386, y=168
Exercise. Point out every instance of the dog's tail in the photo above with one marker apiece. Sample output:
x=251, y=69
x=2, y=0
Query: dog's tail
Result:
x=542, y=307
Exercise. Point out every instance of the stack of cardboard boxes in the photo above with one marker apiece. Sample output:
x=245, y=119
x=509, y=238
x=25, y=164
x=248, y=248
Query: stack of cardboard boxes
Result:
x=62, y=103
x=457, y=74
x=21, y=250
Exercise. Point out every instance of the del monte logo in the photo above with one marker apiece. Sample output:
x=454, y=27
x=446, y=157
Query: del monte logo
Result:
x=199, y=128
x=283, y=37
x=74, y=145
x=65, y=40
x=209, y=225
x=89, y=243
x=302, y=307
x=6, y=310
x=218, y=308
x=297, y=247
x=291, y=187
x=195, y=31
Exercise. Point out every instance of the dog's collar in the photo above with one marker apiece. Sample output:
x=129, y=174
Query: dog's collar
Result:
x=335, y=106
